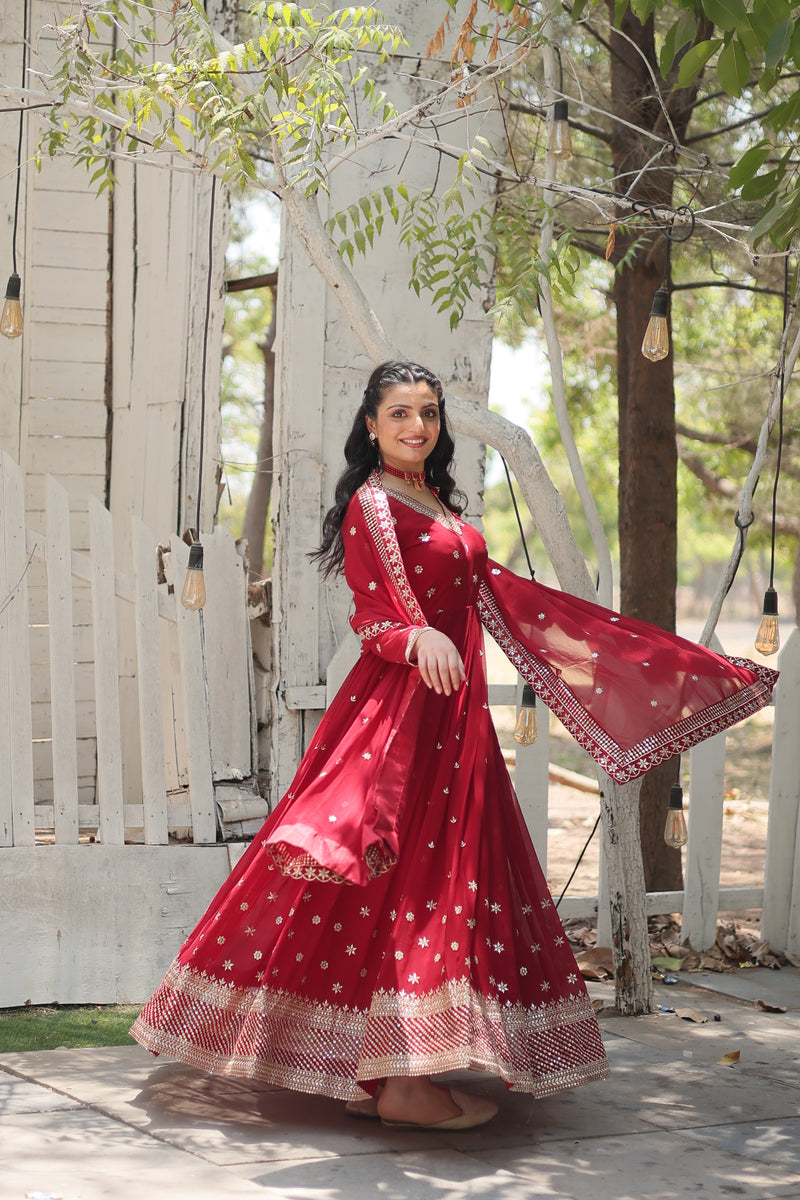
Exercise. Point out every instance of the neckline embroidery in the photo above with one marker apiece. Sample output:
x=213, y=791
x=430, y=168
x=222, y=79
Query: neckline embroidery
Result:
x=444, y=516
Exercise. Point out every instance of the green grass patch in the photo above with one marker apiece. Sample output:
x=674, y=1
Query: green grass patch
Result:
x=68, y=1026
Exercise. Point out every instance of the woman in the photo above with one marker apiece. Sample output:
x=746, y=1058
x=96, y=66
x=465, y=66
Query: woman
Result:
x=391, y=921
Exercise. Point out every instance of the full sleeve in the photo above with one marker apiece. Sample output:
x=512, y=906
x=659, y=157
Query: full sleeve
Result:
x=387, y=617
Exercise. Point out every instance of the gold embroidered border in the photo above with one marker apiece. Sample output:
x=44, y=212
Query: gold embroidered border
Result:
x=314, y=1046
x=299, y=864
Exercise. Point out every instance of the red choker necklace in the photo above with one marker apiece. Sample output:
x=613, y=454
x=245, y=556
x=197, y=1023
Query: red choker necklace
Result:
x=415, y=477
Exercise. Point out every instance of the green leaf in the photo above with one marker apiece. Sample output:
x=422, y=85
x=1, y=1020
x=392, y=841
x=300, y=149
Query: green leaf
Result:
x=679, y=33
x=770, y=218
x=726, y=14
x=750, y=162
x=786, y=113
x=642, y=9
x=762, y=185
x=768, y=15
x=695, y=60
x=778, y=43
x=733, y=68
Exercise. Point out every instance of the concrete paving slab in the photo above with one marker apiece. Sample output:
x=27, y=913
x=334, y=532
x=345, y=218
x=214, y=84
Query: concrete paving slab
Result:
x=83, y=1155
x=686, y=1095
x=776, y=1143
x=435, y=1174
x=750, y=984
x=19, y=1096
x=651, y=1166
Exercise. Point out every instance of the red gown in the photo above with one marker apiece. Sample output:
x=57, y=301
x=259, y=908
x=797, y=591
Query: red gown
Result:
x=391, y=916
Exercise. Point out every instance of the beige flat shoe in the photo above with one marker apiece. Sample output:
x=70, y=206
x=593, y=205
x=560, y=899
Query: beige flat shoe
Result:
x=365, y=1110
x=475, y=1110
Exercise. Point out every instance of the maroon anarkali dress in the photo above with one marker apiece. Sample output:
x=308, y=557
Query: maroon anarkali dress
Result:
x=391, y=917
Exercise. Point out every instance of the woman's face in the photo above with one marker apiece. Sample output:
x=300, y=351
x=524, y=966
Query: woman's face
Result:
x=407, y=425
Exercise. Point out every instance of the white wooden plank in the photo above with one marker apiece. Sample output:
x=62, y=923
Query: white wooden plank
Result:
x=40, y=681
x=68, y=380
x=109, y=747
x=179, y=816
x=81, y=605
x=79, y=487
x=531, y=780
x=84, y=720
x=14, y=632
x=190, y=643
x=151, y=741
x=62, y=668
x=52, y=249
x=704, y=848
x=68, y=343
x=67, y=418
x=99, y=924
x=81, y=643
x=78, y=523
x=6, y=798
x=66, y=455
x=71, y=212
x=85, y=757
x=780, y=919
x=227, y=654
x=78, y=319
x=176, y=753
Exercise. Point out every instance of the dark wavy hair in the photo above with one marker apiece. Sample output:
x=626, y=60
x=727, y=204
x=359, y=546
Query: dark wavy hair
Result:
x=362, y=457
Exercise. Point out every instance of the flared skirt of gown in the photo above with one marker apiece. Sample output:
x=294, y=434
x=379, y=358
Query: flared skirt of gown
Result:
x=453, y=958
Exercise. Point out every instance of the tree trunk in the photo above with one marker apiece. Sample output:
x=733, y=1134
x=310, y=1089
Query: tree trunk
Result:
x=648, y=458
x=255, y=517
x=619, y=805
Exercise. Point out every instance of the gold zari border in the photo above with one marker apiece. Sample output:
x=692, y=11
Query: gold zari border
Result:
x=314, y=1046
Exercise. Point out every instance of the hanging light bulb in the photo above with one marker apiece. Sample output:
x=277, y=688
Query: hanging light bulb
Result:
x=11, y=319
x=193, y=595
x=655, y=345
x=675, y=832
x=560, y=143
x=525, y=730
x=768, y=638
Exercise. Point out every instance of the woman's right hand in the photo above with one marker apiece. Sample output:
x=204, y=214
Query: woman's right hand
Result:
x=439, y=662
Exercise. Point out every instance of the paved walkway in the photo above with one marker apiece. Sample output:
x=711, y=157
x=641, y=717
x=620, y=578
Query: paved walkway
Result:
x=671, y=1122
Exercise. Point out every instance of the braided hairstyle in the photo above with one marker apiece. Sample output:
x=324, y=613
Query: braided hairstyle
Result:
x=363, y=457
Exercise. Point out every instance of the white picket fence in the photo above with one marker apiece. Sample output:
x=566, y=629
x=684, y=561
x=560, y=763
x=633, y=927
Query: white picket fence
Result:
x=175, y=750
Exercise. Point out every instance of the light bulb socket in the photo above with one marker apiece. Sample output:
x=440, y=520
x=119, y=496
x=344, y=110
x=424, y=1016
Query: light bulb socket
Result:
x=196, y=557
x=561, y=110
x=528, y=697
x=13, y=287
x=770, y=608
x=676, y=796
x=660, y=303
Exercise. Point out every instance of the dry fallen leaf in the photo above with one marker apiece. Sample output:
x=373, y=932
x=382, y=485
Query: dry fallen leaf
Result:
x=728, y=1060
x=691, y=1014
x=662, y=963
x=779, y=1008
x=596, y=963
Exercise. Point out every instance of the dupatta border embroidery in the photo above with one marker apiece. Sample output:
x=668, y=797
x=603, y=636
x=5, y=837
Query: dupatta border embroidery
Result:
x=622, y=765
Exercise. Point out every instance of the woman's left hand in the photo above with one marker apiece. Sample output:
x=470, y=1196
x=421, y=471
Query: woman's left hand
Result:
x=439, y=662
